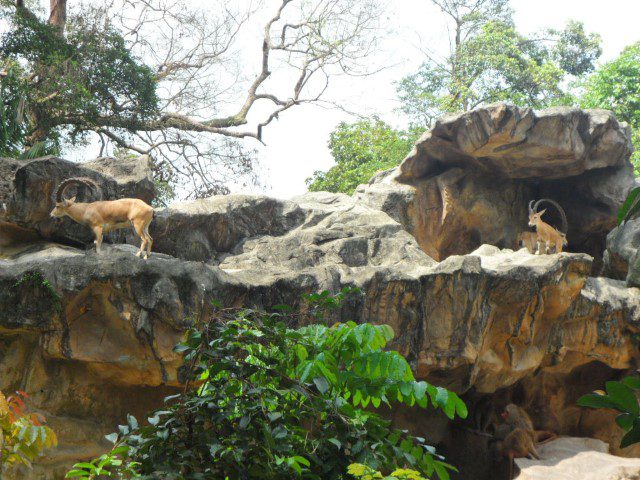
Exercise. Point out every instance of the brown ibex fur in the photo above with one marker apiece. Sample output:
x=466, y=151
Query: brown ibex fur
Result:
x=105, y=216
x=528, y=240
x=545, y=233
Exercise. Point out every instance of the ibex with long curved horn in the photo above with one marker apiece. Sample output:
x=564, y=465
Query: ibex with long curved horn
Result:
x=545, y=232
x=105, y=216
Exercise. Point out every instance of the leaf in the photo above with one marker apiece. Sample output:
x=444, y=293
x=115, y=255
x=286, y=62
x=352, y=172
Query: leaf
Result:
x=321, y=384
x=133, y=423
x=273, y=416
x=623, y=396
x=357, y=397
x=112, y=437
x=632, y=437
x=336, y=442
x=632, y=382
x=625, y=421
x=76, y=473
x=244, y=421
x=302, y=460
x=442, y=472
x=593, y=400
x=630, y=206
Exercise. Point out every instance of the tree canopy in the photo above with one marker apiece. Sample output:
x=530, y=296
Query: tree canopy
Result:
x=360, y=150
x=171, y=79
x=616, y=86
x=489, y=61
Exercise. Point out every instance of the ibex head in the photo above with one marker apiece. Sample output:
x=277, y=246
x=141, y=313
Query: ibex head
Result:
x=535, y=217
x=61, y=208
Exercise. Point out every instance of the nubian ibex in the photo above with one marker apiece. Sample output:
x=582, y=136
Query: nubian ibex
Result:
x=105, y=216
x=545, y=233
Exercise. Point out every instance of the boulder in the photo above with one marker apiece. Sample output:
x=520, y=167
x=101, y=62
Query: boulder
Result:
x=622, y=251
x=468, y=180
x=205, y=229
x=570, y=458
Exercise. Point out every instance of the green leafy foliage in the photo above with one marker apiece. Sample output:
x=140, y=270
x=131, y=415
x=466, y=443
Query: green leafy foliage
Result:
x=614, y=86
x=267, y=401
x=363, y=472
x=491, y=61
x=82, y=77
x=360, y=150
x=23, y=435
x=106, y=465
x=620, y=396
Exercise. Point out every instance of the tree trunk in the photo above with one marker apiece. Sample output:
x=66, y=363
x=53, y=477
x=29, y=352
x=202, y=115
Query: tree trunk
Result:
x=58, y=14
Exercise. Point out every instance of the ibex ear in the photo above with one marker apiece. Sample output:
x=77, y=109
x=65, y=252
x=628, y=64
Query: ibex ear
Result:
x=73, y=199
x=541, y=212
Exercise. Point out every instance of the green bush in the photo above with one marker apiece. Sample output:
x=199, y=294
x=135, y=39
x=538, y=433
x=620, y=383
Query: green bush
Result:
x=268, y=401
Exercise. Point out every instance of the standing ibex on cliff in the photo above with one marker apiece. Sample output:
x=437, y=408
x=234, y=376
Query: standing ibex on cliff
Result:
x=105, y=216
x=545, y=232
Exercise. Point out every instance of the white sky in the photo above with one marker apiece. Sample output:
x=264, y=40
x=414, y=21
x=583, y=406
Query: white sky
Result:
x=297, y=143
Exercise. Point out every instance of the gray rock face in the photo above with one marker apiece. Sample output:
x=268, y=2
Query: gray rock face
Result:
x=469, y=180
x=205, y=229
x=621, y=254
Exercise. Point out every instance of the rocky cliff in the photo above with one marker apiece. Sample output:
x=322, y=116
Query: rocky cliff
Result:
x=90, y=336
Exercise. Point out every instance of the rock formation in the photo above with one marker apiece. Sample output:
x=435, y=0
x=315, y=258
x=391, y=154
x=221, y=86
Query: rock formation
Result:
x=468, y=180
x=90, y=336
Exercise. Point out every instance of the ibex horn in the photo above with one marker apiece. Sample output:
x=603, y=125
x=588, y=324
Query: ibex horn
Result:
x=563, y=215
x=65, y=184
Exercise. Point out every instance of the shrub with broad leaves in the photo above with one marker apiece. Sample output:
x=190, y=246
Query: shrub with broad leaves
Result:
x=265, y=400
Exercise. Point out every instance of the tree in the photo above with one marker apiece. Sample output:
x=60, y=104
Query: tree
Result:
x=267, y=401
x=168, y=79
x=615, y=86
x=490, y=61
x=360, y=150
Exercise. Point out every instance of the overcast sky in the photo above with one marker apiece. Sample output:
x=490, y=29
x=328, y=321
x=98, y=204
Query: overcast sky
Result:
x=297, y=143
